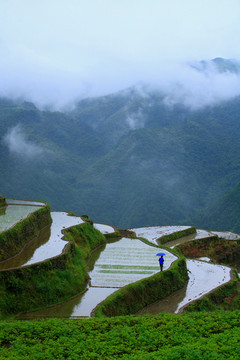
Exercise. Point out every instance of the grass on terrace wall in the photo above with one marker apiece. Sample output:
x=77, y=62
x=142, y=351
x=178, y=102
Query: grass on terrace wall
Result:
x=2, y=201
x=133, y=297
x=176, y=235
x=51, y=281
x=13, y=239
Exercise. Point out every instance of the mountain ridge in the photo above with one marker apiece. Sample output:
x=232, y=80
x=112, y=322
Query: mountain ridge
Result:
x=127, y=158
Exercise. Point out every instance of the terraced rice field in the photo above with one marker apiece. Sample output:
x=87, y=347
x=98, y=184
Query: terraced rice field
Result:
x=152, y=233
x=120, y=263
x=127, y=261
x=54, y=246
x=15, y=213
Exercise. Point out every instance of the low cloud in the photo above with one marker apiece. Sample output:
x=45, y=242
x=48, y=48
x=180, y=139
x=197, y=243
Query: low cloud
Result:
x=92, y=48
x=135, y=120
x=19, y=145
x=199, y=88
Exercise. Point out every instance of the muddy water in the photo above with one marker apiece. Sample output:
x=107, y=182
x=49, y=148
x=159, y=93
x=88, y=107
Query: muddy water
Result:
x=79, y=306
x=167, y=305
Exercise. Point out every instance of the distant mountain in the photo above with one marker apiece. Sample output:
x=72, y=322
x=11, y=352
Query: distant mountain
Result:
x=128, y=158
x=220, y=64
x=224, y=214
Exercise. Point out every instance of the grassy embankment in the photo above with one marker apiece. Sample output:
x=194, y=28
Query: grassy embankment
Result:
x=133, y=297
x=193, y=336
x=176, y=235
x=53, y=280
x=13, y=239
x=2, y=201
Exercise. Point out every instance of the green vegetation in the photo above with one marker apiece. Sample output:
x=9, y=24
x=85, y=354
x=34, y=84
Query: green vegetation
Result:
x=53, y=280
x=135, y=296
x=173, y=337
x=223, y=214
x=172, y=164
x=218, y=250
x=2, y=201
x=176, y=235
x=113, y=235
x=12, y=240
x=86, y=238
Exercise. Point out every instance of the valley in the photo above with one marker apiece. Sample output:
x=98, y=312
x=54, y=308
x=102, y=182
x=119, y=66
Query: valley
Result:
x=126, y=159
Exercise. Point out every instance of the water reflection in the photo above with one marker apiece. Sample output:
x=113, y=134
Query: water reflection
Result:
x=167, y=305
x=55, y=245
x=129, y=260
x=200, y=234
x=79, y=306
x=12, y=214
x=24, y=202
x=27, y=252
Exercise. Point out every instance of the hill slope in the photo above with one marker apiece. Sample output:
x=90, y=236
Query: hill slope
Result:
x=127, y=159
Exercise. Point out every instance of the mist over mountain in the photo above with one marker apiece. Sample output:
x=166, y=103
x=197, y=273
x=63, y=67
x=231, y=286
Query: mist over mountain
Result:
x=194, y=84
x=141, y=156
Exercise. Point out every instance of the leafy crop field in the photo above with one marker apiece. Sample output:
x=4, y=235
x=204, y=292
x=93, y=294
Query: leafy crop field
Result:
x=195, y=336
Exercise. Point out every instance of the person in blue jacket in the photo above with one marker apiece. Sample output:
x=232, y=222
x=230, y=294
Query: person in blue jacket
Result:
x=161, y=261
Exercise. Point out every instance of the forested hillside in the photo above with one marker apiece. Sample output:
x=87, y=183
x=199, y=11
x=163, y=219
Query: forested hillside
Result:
x=129, y=159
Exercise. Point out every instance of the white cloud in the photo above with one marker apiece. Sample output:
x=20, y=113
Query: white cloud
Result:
x=135, y=120
x=17, y=144
x=54, y=52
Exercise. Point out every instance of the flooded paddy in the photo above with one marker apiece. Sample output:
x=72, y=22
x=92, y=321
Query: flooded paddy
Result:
x=226, y=235
x=12, y=214
x=203, y=278
x=152, y=233
x=105, y=229
x=79, y=306
x=47, y=244
x=200, y=234
x=28, y=250
x=117, y=264
x=24, y=202
x=55, y=244
x=127, y=261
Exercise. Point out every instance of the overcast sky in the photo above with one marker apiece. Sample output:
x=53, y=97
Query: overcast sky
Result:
x=55, y=51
